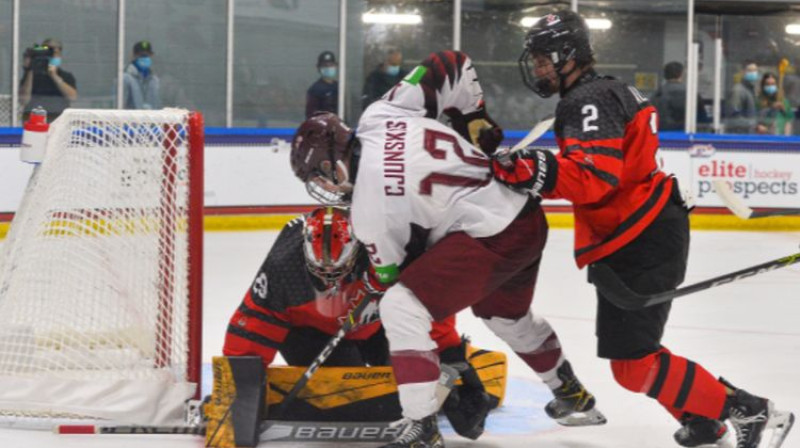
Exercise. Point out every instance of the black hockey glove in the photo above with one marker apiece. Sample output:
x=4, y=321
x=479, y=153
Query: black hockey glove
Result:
x=468, y=404
x=477, y=128
x=530, y=169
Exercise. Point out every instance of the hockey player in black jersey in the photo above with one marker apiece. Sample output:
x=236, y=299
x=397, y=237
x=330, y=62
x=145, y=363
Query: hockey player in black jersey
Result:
x=630, y=216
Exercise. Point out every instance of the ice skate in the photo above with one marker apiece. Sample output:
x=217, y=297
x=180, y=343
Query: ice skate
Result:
x=573, y=405
x=751, y=416
x=418, y=434
x=700, y=431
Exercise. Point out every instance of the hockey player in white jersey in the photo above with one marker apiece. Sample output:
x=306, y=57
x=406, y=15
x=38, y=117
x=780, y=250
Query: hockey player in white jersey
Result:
x=441, y=234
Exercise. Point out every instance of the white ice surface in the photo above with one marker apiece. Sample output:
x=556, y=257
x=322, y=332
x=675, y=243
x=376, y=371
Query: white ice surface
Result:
x=747, y=332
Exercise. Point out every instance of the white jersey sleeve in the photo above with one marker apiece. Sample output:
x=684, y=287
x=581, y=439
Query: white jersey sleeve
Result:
x=416, y=171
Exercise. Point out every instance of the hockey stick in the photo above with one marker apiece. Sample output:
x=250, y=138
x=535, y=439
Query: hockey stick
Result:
x=740, y=209
x=348, y=324
x=538, y=130
x=99, y=429
x=618, y=293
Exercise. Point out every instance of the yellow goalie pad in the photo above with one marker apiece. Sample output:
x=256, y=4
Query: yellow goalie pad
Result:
x=236, y=405
x=363, y=393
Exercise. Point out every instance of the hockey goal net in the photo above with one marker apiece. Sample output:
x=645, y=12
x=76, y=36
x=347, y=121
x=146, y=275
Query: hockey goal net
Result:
x=100, y=274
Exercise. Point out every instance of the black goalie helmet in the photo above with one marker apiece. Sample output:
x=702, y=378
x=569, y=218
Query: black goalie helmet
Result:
x=559, y=37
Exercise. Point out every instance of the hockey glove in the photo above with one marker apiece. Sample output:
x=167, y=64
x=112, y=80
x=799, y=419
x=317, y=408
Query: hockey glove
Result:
x=468, y=404
x=372, y=285
x=531, y=169
x=478, y=128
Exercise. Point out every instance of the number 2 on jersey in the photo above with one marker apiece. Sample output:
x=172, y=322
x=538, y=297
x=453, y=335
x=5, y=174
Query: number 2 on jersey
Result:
x=432, y=138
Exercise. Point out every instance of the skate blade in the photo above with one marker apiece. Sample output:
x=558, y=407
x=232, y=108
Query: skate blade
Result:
x=592, y=417
x=780, y=422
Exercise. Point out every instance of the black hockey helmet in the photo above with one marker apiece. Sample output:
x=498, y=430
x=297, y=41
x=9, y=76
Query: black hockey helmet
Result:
x=561, y=36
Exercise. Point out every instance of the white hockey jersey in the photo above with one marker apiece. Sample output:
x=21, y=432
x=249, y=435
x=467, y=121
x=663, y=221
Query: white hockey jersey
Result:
x=417, y=171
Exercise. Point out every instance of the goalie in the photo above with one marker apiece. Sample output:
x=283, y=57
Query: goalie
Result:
x=315, y=273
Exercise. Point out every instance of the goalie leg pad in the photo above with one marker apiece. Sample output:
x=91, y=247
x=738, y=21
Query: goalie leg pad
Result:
x=237, y=402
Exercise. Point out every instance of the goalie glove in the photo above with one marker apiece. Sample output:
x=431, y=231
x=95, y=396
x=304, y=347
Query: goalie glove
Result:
x=532, y=169
x=467, y=405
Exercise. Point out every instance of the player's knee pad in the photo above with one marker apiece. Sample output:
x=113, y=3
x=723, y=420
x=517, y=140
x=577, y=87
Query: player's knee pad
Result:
x=523, y=335
x=406, y=320
x=636, y=375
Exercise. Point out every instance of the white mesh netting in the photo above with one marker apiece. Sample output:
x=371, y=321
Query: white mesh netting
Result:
x=94, y=272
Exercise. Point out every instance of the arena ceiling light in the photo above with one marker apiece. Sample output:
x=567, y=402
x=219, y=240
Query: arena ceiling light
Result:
x=528, y=22
x=793, y=28
x=593, y=23
x=391, y=18
x=598, y=23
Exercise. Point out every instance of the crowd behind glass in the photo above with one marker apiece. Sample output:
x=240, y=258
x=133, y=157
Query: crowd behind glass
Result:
x=286, y=60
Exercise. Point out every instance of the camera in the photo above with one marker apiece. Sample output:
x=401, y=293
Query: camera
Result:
x=40, y=58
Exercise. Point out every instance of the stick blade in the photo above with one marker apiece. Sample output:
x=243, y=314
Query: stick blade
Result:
x=614, y=289
x=733, y=202
x=537, y=131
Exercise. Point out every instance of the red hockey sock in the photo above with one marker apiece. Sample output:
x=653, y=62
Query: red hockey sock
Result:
x=678, y=384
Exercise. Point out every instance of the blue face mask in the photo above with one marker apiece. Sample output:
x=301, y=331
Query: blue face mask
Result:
x=328, y=72
x=55, y=61
x=392, y=70
x=751, y=76
x=144, y=62
x=770, y=90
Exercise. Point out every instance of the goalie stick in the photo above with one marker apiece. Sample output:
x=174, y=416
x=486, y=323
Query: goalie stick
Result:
x=348, y=324
x=99, y=429
x=618, y=293
x=740, y=209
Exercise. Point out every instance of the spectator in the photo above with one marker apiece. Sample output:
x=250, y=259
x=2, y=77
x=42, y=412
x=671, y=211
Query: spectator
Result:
x=775, y=114
x=742, y=104
x=383, y=77
x=670, y=100
x=141, y=87
x=323, y=95
x=45, y=83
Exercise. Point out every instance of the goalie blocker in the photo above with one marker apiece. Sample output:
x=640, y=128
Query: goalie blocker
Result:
x=336, y=401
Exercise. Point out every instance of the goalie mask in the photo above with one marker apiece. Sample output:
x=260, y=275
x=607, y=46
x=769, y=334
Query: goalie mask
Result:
x=320, y=157
x=329, y=246
x=550, y=44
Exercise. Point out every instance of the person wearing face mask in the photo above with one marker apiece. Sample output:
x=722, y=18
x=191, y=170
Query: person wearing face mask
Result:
x=141, y=87
x=52, y=89
x=323, y=95
x=742, y=112
x=383, y=77
x=775, y=114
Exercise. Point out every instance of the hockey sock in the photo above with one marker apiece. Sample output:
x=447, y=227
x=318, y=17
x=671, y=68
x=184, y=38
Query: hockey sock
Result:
x=546, y=360
x=416, y=373
x=679, y=384
x=532, y=339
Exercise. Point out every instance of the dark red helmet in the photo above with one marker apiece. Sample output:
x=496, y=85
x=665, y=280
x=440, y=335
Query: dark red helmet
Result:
x=320, y=157
x=561, y=37
x=329, y=246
